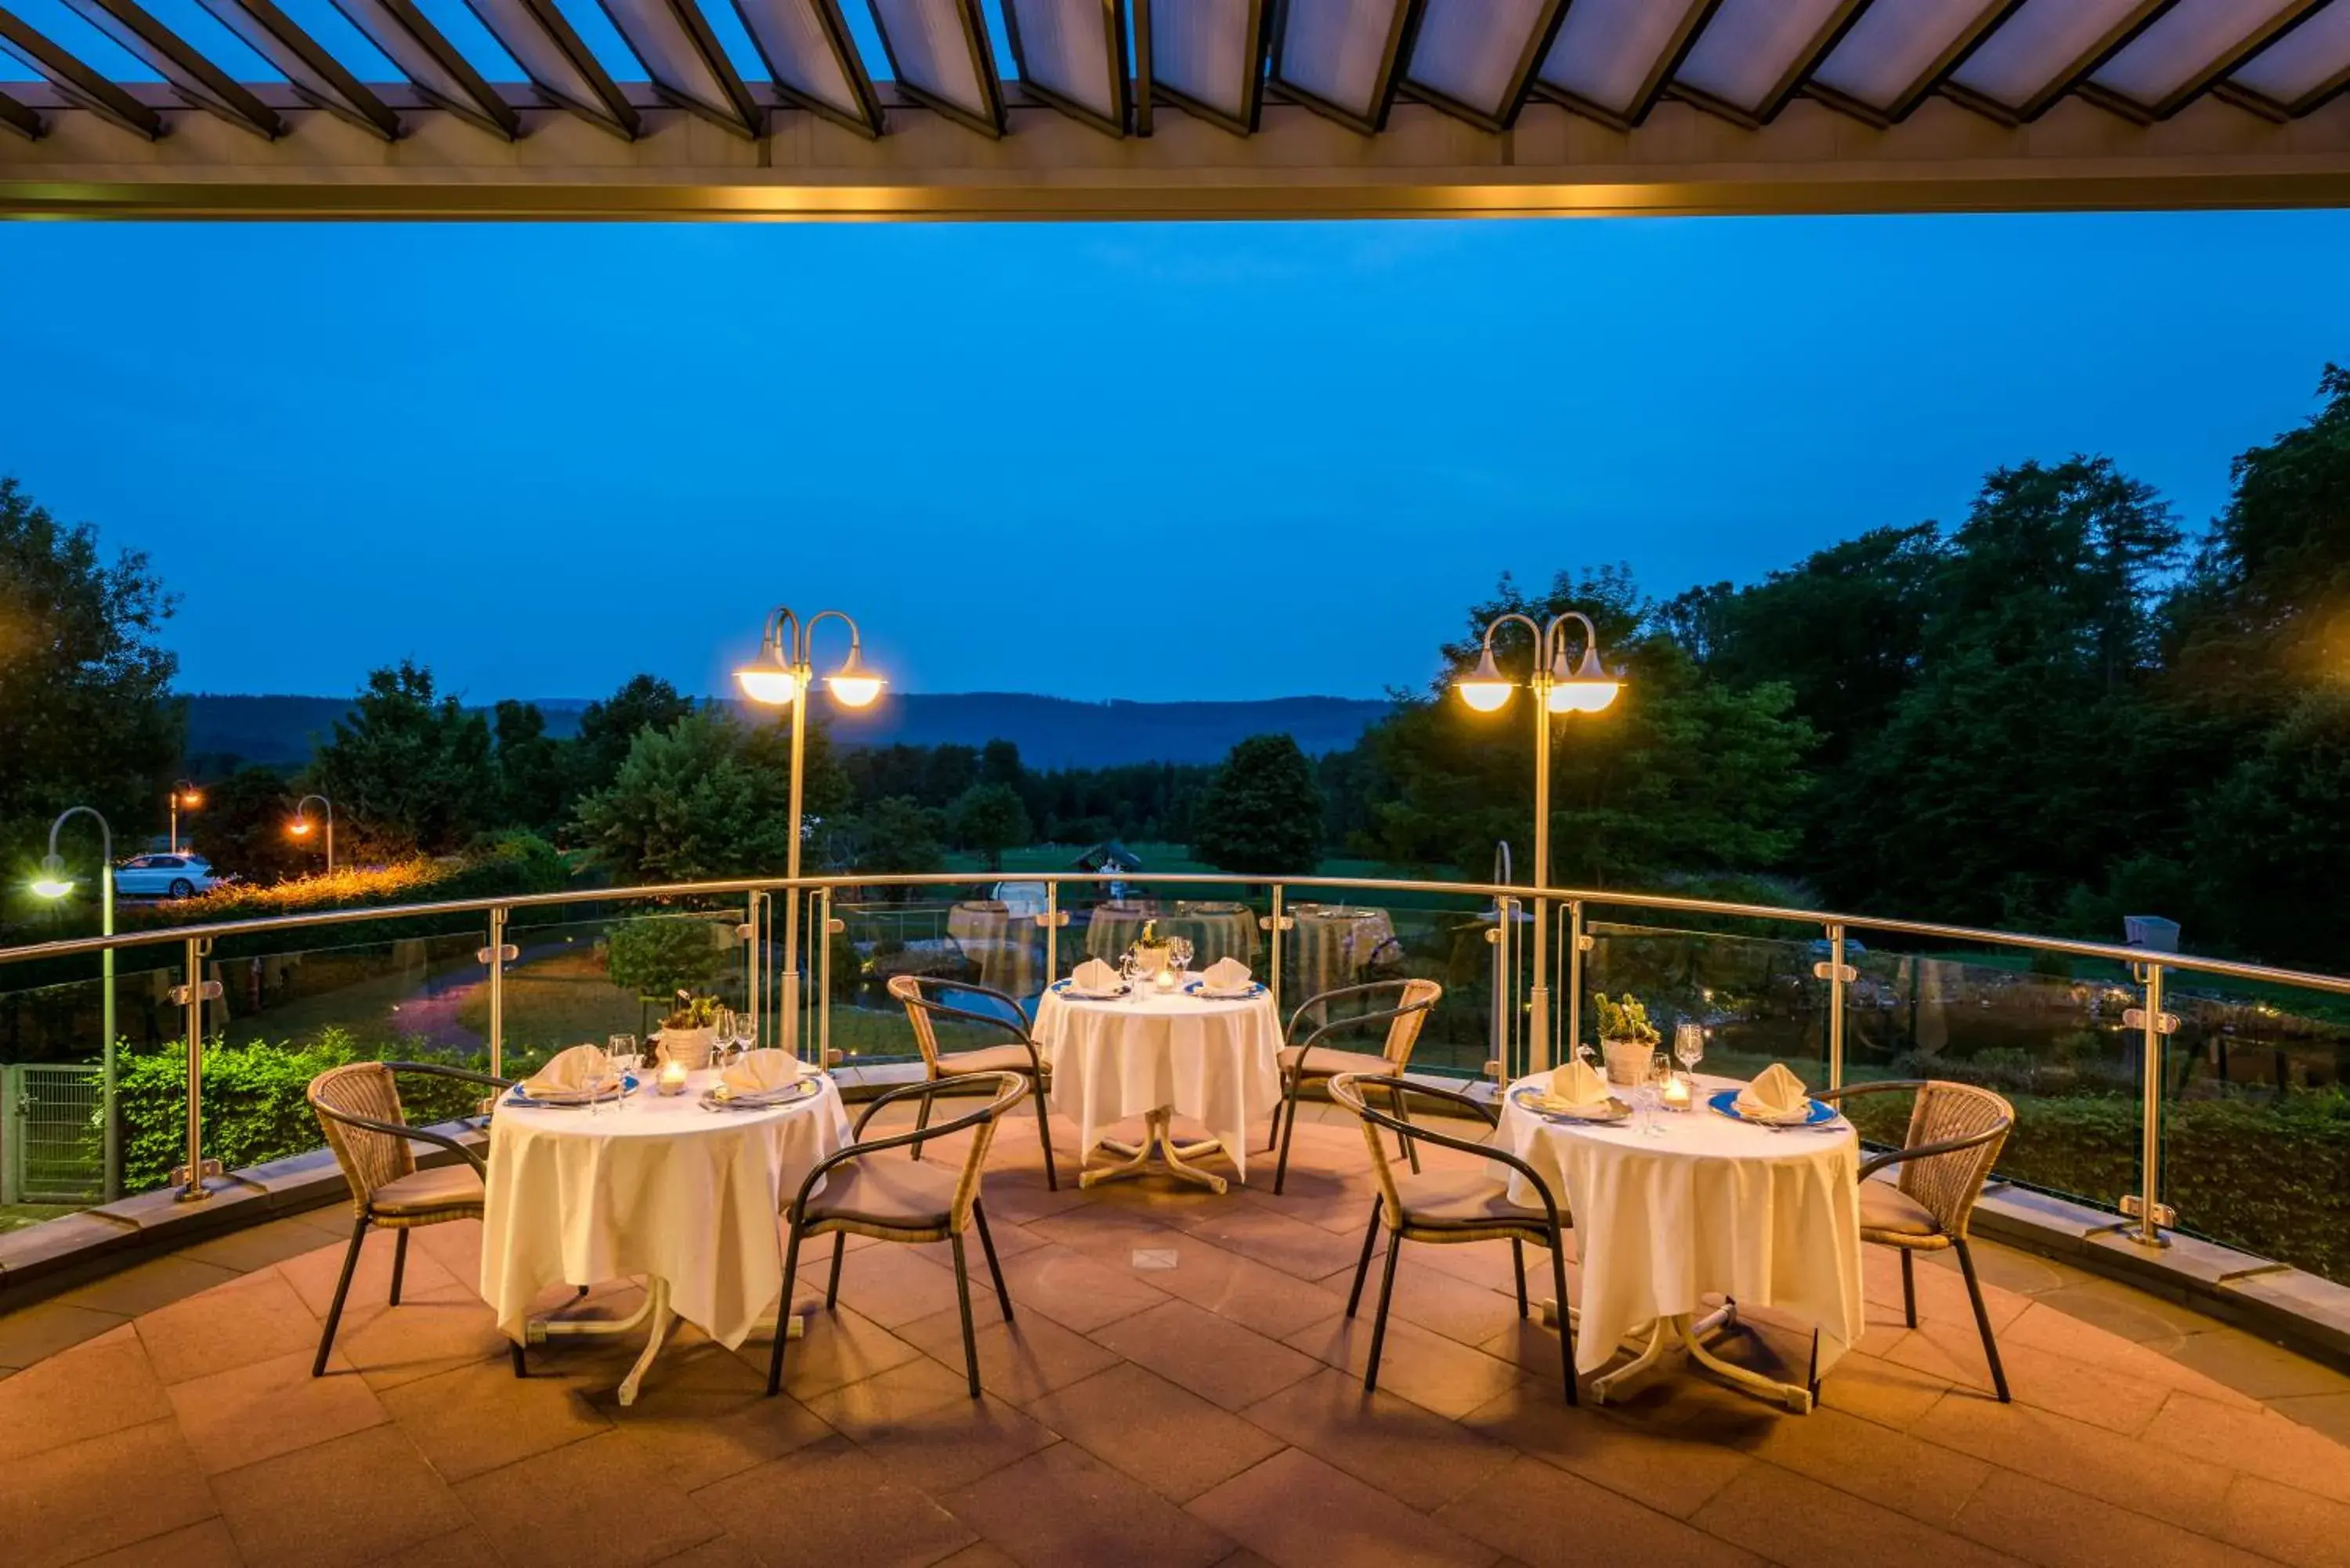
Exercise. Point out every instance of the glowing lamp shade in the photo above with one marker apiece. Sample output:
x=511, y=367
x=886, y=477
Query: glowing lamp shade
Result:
x=53, y=882
x=191, y=797
x=1485, y=688
x=298, y=826
x=1587, y=691
x=853, y=685
x=767, y=683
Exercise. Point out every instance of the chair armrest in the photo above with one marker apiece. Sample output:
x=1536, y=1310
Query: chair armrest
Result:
x=1323, y=998
x=435, y=1069
x=401, y=1129
x=1878, y=1162
x=1876, y=1086
x=863, y=1147
x=1482, y=1150
x=1305, y=1049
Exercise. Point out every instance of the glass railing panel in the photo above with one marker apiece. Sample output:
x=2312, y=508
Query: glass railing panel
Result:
x=2255, y=1119
x=581, y=982
x=1403, y=934
x=973, y=933
x=2040, y=1029
x=1755, y=996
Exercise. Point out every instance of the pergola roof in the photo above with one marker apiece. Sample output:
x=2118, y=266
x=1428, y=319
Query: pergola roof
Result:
x=1140, y=72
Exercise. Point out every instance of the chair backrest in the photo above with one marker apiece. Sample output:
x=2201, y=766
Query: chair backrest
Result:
x=1420, y=999
x=1344, y=1089
x=928, y=999
x=1949, y=1184
x=1010, y=1089
x=369, y=1159
x=1410, y=1000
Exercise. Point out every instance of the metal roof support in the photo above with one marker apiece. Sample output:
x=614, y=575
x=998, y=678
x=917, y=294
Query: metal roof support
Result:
x=192, y=76
x=686, y=63
x=2075, y=72
x=76, y=80
x=783, y=30
x=1161, y=47
x=316, y=74
x=934, y=83
x=2201, y=80
x=1114, y=64
x=1919, y=88
x=1678, y=44
x=1540, y=35
x=1403, y=22
x=559, y=62
x=435, y=66
x=19, y=118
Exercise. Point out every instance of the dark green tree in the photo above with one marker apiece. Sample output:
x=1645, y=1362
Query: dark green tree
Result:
x=534, y=774
x=609, y=728
x=244, y=828
x=707, y=797
x=87, y=717
x=999, y=763
x=409, y=770
x=895, y=836
x=1263, y=813
x=990, y=818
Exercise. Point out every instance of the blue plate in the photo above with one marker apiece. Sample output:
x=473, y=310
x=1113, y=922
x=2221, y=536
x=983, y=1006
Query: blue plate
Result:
x=514, y=1097
x=1256, y=988
x=1063, y=987
x=1726, y=1102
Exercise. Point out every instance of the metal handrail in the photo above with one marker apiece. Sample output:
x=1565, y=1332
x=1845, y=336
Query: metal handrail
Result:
x=2109, y=951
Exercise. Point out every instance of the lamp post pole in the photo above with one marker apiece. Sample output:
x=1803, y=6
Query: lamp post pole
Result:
x=782, y=675
x=183, y=793
x=54, y=885
x=301, y=824
x=1559, y=686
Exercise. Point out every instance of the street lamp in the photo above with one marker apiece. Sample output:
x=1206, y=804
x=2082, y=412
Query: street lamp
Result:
x=1560, y=685
x=183, y=793
x=779, y=676
x=53, y=883
x=300, y=826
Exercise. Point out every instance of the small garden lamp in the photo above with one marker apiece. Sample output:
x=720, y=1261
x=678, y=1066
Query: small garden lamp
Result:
x=53, y=883
x=778, y=678
x=300, y=826
x=184, y=796
x=1560, y=685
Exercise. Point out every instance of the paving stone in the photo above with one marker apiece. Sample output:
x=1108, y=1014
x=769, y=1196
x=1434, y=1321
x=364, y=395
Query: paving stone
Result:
x=351, y=1501
x=1064, y=1506
x=243, y=1415
x=1165, y=1437
x=1296, y=1512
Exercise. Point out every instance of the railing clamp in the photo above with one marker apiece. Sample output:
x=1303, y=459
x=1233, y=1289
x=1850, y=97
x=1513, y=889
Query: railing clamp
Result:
x=504, y=952
x=2165, y=1024
x=2133, y=1207
x=209, y=1170
x=1051, y=920
x=834, y=927
x=1493, y=936
x=746, y=929
x=210, y=991
x=1267, y=923
x=1586, y=943
x=1839, y=971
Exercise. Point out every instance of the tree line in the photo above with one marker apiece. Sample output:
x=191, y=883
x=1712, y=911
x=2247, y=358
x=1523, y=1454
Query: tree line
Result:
x=2059, y=709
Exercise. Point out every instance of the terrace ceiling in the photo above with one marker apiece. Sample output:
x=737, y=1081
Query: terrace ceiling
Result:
x=765, y=108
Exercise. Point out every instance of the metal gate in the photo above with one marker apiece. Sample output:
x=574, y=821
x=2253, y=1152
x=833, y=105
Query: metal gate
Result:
x=50, y=1150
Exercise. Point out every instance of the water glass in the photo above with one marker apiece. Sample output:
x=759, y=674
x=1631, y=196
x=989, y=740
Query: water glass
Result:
x=1689, y=1044
x=621, y=1051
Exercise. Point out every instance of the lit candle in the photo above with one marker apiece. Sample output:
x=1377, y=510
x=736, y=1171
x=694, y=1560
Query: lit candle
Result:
x=673, y=1076
x=1677, y=1092
x=1166, y=981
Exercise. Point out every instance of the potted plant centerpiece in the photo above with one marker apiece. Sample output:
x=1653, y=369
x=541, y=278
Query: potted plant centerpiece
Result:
x=690, y=1033
x=1626, y=1038
x=1151, y=955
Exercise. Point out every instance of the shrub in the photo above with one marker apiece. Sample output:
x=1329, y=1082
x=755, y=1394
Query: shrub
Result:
x=662, y=955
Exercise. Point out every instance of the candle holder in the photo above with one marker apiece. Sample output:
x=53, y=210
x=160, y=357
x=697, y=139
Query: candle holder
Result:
x=1679, y=1094
x=672, y=1077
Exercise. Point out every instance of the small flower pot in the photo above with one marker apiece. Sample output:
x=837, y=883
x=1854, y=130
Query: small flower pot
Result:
x=692, y=1048
x=1626, y=1060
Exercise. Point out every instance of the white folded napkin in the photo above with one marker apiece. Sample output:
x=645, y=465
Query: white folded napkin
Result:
x=568, y=1073
x=1093, y=975
x=763, y=1072
x=1227, y=974
x=1577, y=1089
x=1775, y=1095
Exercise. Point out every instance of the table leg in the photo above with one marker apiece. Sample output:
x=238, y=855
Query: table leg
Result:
x=662, y=1317
x=542, y=1329
x=1687, y=1333
x=1158, y=1154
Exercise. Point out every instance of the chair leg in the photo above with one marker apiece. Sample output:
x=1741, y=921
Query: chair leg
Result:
x=1362, y=1265
x=1044, y=1135
x=922, y=1121
x=962, y=1300
x=398, y=1261
x=1406, y=1146
x=522, y=1368
x=987, y=1245
x=342, y=1289
x=1566, y=1324
x=783, y=1316
x=1288, y=1135
x=1518, y=1261
x=1380, y=1323
x=832, y=1286
x=1983, y=1319
x=1908, y=1289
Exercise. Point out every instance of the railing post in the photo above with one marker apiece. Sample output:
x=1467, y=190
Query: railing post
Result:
x=1836, y=972
x=749, y=932
x=831, y=928
x=1273, y=927
x=1576, y=945
x=497, y=955
x=1497, y=1025
x=192, y=997
x=2146, y=1205
x=1051, y=932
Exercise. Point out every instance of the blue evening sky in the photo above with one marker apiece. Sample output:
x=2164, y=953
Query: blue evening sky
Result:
x=1198, y=460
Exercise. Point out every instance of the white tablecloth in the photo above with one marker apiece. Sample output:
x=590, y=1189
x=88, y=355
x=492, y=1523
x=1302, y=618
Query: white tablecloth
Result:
x=1713, y=1207
x=660, y=1187
x=1215, y=1062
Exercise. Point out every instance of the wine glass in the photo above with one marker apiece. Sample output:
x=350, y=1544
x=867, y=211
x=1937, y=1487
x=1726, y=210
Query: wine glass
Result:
x=620, y=1055
x=723, y=1035
x=1689, y=1044
x=1178, y=953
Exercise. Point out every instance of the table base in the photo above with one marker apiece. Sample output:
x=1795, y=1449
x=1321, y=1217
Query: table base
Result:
x=654, y=1310
x=1157, y=1155
x=1685, y=1332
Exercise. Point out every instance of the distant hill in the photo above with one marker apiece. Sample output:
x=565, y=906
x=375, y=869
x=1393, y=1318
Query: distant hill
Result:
x=1051, y=732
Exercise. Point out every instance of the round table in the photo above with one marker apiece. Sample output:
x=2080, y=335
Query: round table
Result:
x=1711, y=1207
x=1337, y=944
x=1214, y=1061
x=656, y=1185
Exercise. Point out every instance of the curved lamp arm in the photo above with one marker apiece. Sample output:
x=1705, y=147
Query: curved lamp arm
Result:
x=105, y=832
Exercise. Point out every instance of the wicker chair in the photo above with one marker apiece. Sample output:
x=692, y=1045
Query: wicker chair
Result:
x=929, y=1000
x=357, y=1106
x=1452, y=1208
x=894, y=1201
x=1956, y=1131
x=1309, y=1061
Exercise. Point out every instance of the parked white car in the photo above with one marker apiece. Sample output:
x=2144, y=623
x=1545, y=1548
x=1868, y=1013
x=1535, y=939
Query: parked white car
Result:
x=164, y=877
